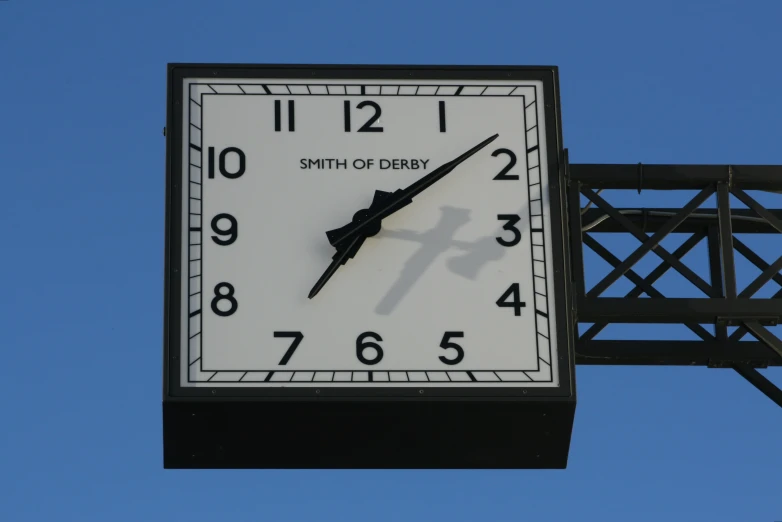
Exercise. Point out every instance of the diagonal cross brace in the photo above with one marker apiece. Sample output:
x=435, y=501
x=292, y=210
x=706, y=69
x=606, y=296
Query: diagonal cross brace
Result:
x=741, y=331
x=640, y=283
x=680, y=267
x=757, y=207
x=727, y=287
x=762, y=279
x=759, y=262
x=651, y=242
x=762, y=334
x=653, y=276
x=753, y=258
x=760, y=382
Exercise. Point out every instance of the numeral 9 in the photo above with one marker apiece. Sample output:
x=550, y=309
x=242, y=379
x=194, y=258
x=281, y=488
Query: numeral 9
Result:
x=232, y=232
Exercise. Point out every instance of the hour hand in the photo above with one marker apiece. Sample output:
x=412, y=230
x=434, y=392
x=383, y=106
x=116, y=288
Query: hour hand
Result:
x=340, y=258
x=348, y=248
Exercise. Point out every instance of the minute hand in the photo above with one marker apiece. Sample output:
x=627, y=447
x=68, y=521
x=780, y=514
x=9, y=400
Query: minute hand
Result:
x=403, y=197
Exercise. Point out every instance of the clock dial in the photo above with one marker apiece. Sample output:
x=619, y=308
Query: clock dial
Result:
x=454, y=290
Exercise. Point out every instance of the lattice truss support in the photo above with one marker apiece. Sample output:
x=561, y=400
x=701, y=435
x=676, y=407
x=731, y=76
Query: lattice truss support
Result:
x=722, y=317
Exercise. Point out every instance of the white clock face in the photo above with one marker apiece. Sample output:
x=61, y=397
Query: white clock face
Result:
x=456, y=290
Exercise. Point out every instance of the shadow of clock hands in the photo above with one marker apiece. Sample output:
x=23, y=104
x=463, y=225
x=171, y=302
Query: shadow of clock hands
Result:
x=479, y=253
x=433, y=243
x=439, y=240
x=483, y=251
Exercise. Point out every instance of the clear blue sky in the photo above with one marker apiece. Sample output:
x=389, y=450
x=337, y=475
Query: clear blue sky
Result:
x=82, y=106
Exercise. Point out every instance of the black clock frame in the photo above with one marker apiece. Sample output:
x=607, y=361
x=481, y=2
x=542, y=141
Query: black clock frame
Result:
x=283, y=427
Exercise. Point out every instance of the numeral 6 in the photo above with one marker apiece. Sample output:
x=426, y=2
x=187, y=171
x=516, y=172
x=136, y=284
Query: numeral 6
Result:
x=362, y=345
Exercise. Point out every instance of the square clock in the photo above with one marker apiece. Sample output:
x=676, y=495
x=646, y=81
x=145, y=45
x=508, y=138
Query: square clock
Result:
x=366, y=267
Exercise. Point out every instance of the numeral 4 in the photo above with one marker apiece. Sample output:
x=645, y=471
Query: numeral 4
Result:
x=512, y=299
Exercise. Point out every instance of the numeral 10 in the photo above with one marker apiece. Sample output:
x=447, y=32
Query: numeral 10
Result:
x=223, y=160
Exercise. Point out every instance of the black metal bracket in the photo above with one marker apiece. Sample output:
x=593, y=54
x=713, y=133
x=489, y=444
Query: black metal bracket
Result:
x=723, y=304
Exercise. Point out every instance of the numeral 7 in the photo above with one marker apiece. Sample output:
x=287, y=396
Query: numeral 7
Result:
x=297, y=337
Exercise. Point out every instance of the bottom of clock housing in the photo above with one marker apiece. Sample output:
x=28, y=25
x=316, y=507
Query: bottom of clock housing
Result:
x=362, y=434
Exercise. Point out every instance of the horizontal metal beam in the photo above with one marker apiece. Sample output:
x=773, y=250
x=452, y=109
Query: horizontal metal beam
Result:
x=675, y=353
x=743, y=221
x=678, y=310
x=675, y=177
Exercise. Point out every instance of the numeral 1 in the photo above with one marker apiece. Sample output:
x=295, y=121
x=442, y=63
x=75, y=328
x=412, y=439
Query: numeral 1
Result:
x=442, y=116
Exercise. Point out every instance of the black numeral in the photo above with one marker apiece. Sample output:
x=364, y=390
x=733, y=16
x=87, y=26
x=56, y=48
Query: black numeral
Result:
x=221, y=163
x=442, y=116
x=297, y=337
x=517, y=304
x=232, y=232
x=278, y=116
x=511, y=219
x=224, y=292
x=445, y=344
x=362, y=345
x=504, y=172
x=367, y=127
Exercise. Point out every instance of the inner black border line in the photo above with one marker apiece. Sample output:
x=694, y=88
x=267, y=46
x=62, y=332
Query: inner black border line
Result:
x=193, y=86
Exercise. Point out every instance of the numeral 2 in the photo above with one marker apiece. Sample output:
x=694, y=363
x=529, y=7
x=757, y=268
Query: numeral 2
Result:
x=503, y=175
x=367, y=127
